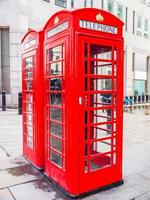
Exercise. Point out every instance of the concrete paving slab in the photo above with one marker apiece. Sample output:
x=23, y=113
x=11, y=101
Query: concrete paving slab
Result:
x=2, y=154
x=5, y=195
x=42, y=188
x=18, y=175
x=11, y=162
x=119, y=193
x=143, y=197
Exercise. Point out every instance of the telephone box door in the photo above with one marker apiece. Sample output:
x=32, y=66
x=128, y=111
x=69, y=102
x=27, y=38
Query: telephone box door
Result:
x=100, y=78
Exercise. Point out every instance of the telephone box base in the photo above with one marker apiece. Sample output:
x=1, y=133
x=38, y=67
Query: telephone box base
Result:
x=38, y=168
x=70, y=196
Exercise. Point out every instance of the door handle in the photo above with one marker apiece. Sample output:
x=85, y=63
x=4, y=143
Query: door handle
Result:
x=80, y=100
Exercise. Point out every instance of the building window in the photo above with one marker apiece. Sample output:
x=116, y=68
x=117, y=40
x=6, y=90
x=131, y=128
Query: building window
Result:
x=133, y=61
x=146, y=25
x=47, y=0
x=72, y=3
x=102, y=4
x=133, y=22
x=140, y=62
x=139, y=25
x=110, y=6
x=85, y=3
x=145, y=28
x=91, y=3
x=120, y=11
x=126, y=20
x=139, y=22
x=140, y=87
x=61, y=3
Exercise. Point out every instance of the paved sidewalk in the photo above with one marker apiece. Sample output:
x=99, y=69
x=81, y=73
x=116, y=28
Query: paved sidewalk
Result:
x=20, y=181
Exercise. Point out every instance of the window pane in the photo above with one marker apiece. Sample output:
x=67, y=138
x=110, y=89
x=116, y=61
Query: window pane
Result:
x=103, y=115
x=140, y=62
x=29, y=97
x=139, y=22
x=29, y=119
x=100, y=162
x=29, y=74
x=101, y=84
x=55, y=53
x=29, y=107
x=29, y=85
x=101, y=52
x=55, y=129
x=61, y=3
x=110, y=6
x=99, y=100
x=56, y=69
x=101, y=68
x=56, y=99
x=56, y=144
x=30, y=142
x=30, y=131
x=103, y=146
x=56, y=158
x=120, y=11
x=140, y=87
x=100, y=131
x=29, y=62
x=56, y=114
x=56, y=84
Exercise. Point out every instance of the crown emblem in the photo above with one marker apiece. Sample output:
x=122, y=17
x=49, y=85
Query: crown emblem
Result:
x=99, y=17
x=56, y=20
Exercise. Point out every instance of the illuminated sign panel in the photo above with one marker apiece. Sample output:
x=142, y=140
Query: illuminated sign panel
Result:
x=97, y=27
x=57, y=29
x=29, y=44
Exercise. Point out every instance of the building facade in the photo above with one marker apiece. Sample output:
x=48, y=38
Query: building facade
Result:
x=17, y=17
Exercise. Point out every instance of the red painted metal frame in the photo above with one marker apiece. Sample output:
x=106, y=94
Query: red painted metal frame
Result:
x=72, y=177
x=35, y=50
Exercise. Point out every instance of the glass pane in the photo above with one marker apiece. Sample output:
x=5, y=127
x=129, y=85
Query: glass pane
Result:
x=86, y=166
x=99, y=100
x=30, y=131
x=101, y=68
x=110, y=5
x=30, y=142
x=104, y=115
x=56, y=114
x=100, y=162
x=29, y=85
x=56, y=84
x=56, y=99
x=29, y=97
x=103, y=146
x=56, y=69
x=115, y=53
x=56, y=129
x=56, y=158
x=56, y=144
x=29, y=62
x=101, y=84
x=29, y=119
x=120, y=11
x=55, y=53
x=86, y=67
x=100, y=131
x=29, y=74
x=86, y=50
x=140, y=87
x=29, y=107
x=101, y=52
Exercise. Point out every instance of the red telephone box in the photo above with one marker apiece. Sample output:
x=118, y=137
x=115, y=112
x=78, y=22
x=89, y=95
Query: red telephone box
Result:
x=84, y=99
x=32, y=94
